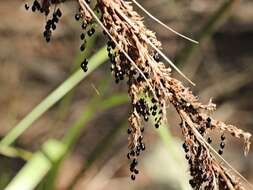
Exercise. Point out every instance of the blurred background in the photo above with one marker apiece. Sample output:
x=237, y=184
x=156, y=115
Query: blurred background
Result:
x=221, y=66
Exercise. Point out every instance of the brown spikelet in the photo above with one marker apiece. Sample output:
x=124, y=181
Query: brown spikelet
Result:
x=134, y=53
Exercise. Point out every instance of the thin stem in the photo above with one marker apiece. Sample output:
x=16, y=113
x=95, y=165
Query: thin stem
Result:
x=54, y=97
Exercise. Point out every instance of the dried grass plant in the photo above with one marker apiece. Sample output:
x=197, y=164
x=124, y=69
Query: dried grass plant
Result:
x=135, y=54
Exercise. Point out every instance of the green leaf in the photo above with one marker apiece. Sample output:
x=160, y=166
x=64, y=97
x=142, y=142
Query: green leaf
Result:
x=38, y=166
x=95, y=61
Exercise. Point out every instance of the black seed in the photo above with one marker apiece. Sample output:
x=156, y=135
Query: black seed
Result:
x=156, y=57
x=84, y=26
x=77, y=17
x=136, y=171
x=87, y=1
x=85, y=62
x=128, y=156
x=132, y=153
x=220, y=152
x=223, y=137
x=82, y=36
x=192, y=183
x=58, y=12
x=26, y=6
x=33, y=8
x=129, y=131
x=55, y=19
x=133, y=177
x=209, y=140
x=156, y=125
x=82, y=47
x=135, y=162
x=143, y=147
x=222, y=145
x=48, y=39
x=91, y=31
x=53, y=26
x=47, y=27
x=84, y=65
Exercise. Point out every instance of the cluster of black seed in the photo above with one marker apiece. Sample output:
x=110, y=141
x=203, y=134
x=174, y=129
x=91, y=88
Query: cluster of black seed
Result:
x=133, y=155
x=198, y=161
x=222, y=144
x=44, y=9
x=122, y=70
x=51, y=25
x=142, y=108
x=197, y=157
x=156, y=112
x=90, y=32
x=84, y=65
x=198, y=170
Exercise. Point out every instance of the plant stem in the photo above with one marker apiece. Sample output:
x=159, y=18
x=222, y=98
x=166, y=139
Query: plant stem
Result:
x=99, y=58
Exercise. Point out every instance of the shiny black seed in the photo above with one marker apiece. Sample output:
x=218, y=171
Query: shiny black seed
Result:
x=55, y=19
x=209, y=140
x=223, y=137
x=82, y=36
x=129, y=131
x=220, y=152
x=84, y=65
x=133, y=177
x=58, y=12
x=36, y=4
x=136, y=171
x=156, y=57
x=77, y=17
x=192, y=183
x=26, y=6
x=135, y=162
x=156, y=125
x=143, y=147
x=47, y=27
x=82, y=47
x=53, y=26
x=91, y=31
x=33, y=8
x=48, y=39
x=222, y=145
x=84, y=26
x=85, y=62
x=202, y=130
x=132, y=153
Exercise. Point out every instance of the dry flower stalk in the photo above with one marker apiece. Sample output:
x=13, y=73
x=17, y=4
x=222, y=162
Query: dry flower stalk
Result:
x=134, y=53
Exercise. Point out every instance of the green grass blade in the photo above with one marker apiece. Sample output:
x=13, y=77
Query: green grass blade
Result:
x=55, y=96
x=37, y=167
x=66, y=101
x=98, y=104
